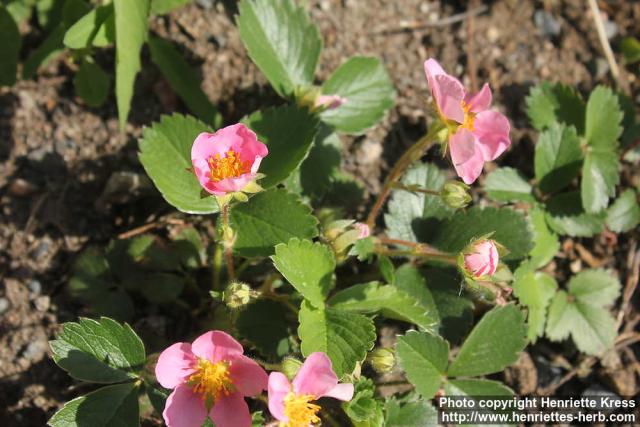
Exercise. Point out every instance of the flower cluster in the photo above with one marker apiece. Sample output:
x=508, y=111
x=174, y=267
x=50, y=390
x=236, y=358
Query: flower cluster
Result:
x=211, y=377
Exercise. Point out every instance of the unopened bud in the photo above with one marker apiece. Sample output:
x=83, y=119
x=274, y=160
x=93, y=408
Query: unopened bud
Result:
x=455, y=194
x=382, y=359
x=290, y=367
x=480, y=259
x=237, y=295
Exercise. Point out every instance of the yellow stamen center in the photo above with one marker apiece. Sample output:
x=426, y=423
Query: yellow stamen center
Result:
x=229, y=166
x=299, y=410
x=469, y=117
x=211, y=380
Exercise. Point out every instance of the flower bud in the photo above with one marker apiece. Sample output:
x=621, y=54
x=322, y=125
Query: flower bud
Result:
x=455, y=194
x=480, y=259
x=382, y=359
x=237, y=295
x=290, y=367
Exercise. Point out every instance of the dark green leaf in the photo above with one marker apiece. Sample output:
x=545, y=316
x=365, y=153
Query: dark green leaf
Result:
x=565, y=215
x=318, y=170
x=424, y=357
x=92, y=83
x=10, y=43
x=455, y=310
x=558, y=157
x=265, y=324
x=411, y=414
x=550, y=103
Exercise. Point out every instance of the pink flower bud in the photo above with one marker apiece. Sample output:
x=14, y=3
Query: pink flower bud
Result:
x=330, y=102
x=482, y=259
x=363, y=230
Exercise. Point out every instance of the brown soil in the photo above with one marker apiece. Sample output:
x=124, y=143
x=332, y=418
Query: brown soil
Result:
x=57, y=154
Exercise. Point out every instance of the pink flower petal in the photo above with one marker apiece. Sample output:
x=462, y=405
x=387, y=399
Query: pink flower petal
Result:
x=480, y=101
x=228, y=185
x=175, y=365
x=483, y=260
x=248, y=377
x=341, y=392
x=216, y=346
x=492, y=131
x=208, y=145
x=467, y=159
x=248, y=145
x=279, y=387
x=184, y=408
x=316, y=376
x=330, y=101
x=231, y=411
x=450, y=96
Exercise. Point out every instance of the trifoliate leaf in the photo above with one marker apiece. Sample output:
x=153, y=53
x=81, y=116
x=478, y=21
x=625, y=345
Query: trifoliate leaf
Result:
x=424, y=357
x=345, y=337
x=595, y=287
x=624, y=214
x=308, y=266
x=565, y=215
x=535, y=290
x=558, y=157
x=551, y=103
x=508, y=185
x=103, y=351
x=493, y=344
x=270, y=218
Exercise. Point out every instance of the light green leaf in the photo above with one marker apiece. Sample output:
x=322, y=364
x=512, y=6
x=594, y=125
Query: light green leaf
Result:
x=411, y=414
x=282, y=42
x=508, y=185
x=92, y=83
x=20, y=10
x=600, y=176
x=411, y=215
x=603, y=118
x=270, y=218
x=288, y=131
x=546, y=243
x=131, y=32
x=345, y=337
x=424, y=357
x=162, y=7
x=558, y=157
x=111, y=406
x=476, y=387
x=165, y=153
x=630, y=48
x=102, y=351
x=365, y=84
x=624, y=214
x=535, y=290
x=10, y=43
x=81, y=34
x=595, y=287
x=264, y=323
x=387, y=299
x=493, y=344
x=509, y=227
x=183, y=79
x=550, y=103
x=308, y=266
x=565, y=215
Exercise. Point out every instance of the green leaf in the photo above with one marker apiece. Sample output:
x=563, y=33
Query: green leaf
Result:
x=411, y=414
x=387, y=299
x=546, y=243
x=345, y=337
x=603, y=119
x=476, y=387
x=49, y=49
x=411, y=215
x=270, y=218
x=508, y=185
x=363, y=406
x=111, y=406
x=81, y=34
x=49, y=13
x=92, y=83
x=493, y=344
x=19, y=10
x=282, y=42
x=411, y=280
x=319, y=169
x=102, y=351
x=550, y=103
x=162, y=7
x=165, y=153
x=455, y=311
x=308, y=266
x=624, y=214
x=510, y=228
x=157, y=397
x=600, y=175
x=630, y=48
x=131, y=32
x=591, y=327
x=365, y=84
x=595, y=287
x=10, y=43
x=424, y=357
x=558, y=157
x=265, y=324
x=565, y=215
x=183, y=79
x=161, y=288
x=288, y=131
x=535, y=290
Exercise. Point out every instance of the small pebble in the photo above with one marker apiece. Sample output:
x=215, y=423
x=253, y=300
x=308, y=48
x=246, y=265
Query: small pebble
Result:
x=4, y=305
x=35, y=287
x=35, y=350
x=547, y=24
x=42, y=303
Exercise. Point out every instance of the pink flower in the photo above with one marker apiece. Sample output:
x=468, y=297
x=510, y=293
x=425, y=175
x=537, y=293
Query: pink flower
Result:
x=330, y=102
x=291, y=403
x=226, y=161
x=363, y=230
x=476, y=134
x=209, y=378
x=482, y=259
